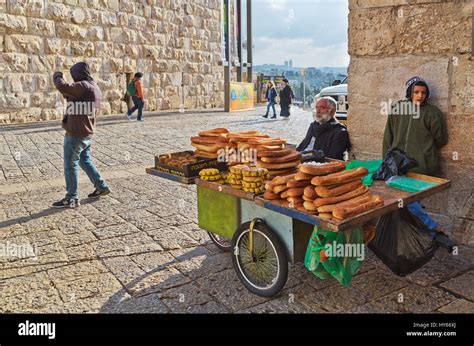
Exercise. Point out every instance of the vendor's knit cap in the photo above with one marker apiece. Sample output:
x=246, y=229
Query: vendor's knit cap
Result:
x=410, y=84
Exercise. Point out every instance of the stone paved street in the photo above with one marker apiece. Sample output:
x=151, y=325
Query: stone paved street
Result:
x=140, y=248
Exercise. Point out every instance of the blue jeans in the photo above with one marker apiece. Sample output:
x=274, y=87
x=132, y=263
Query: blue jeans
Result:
x=138, y=104
x=77, y=152
x=271, y=104
x=416, y=209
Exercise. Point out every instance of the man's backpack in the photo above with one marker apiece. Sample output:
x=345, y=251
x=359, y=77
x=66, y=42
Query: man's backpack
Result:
x=131, y=90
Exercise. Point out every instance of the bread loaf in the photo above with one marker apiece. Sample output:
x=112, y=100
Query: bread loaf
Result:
x=350, y=210
x=298, y=183
x=340, y=177
x=310, y=192
x=328, y=208
x=282, y=165
x=279, y=180
x=322, y=169
x=303, y=176
x=326, y=192
x=270, y=195
x=295, y=191
x=287, y=158
x=332, y=200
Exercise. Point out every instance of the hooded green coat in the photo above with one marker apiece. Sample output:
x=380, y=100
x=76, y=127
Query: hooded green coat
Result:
x=420, y=137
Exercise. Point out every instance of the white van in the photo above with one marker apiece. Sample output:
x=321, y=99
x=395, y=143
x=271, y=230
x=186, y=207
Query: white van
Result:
x=338, y=91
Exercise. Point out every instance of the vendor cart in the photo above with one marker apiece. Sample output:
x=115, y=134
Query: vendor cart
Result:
x=265, y=236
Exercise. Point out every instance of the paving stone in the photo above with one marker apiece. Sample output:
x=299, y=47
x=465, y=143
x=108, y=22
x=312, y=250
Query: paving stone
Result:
x=83, y=252
x=124, y=269
x=189, y=298
x=439, y=269
x=115, y=231
x=170, y=238
x=149, y=304
x=226, y=288
x=335, y=298
x=76, y=239
x=38, y=301
x=24, y=284
x=153, y=261
x=414, y=299
x=70, y=272
x=460, y=306
x=149, y=223
x=196, y=264
x=156, y=281
x=125, y=245
x=279, y=306
x=462, y=285
x=87, y=286
x=378, y=283
x=134, y=214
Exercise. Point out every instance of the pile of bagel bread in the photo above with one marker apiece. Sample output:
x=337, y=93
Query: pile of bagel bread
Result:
x=269, y=153
x=325, y=189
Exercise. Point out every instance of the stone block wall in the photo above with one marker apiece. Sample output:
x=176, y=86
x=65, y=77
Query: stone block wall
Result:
x=393, y=40
x=172, y=42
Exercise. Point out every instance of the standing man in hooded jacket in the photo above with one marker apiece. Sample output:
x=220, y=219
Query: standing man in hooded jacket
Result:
x=83, y=102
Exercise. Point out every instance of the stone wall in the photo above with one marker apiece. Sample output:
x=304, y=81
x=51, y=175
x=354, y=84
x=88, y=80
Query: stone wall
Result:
x=170, y=41
x=393, y=40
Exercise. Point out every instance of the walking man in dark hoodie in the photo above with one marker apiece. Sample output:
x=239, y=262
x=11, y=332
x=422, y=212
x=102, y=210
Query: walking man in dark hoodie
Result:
x=326, y=133
x=83, y=101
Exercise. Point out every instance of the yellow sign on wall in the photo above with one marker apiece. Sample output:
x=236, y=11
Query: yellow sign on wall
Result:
x=241, y=96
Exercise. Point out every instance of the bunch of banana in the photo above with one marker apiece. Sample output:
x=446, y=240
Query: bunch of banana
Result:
x=253, y=178
x=211, y=174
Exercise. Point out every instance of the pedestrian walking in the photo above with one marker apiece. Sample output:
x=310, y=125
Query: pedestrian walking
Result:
x=83, y=101
x=135, y=90
x=286, y=94
x=271, y=96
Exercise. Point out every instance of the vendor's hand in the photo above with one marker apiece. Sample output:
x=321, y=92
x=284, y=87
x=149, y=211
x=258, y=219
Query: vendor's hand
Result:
x=57, y=74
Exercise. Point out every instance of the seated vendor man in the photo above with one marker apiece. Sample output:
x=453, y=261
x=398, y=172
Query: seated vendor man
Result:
x=326, y=133
x=419, y=129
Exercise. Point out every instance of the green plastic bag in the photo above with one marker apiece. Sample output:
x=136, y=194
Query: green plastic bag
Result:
x=409, y=184
x=372, y=167
x=336, y=254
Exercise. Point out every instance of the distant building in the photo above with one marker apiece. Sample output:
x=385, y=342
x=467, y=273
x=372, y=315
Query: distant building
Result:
x=291, y=63
x=286, y=63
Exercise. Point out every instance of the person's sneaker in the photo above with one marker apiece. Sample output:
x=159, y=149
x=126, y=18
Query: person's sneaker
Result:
x=129, y=117
x=98, y=193
x=273, y=117
x=67, y=203
x=265, y=116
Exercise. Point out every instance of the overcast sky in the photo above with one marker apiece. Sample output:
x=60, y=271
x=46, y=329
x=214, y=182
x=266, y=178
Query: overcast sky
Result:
x=310, y=32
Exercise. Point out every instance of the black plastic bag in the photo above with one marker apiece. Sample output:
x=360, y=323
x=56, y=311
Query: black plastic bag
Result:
x=403, y=242
x=395, y=162
x=313, y=155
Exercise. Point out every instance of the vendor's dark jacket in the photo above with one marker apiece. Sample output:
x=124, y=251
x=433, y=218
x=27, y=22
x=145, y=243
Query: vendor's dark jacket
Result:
x=332, y=138
x=83, y=96
x=421, y=138
x=285, y=96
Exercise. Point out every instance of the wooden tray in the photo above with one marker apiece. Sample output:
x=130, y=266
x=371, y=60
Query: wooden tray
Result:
x=392, y=199
x=169, y=176
x=227, y=189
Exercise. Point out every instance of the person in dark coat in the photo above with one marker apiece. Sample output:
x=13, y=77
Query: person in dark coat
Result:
x=285, y=99
x=83, y=102
x=326, y=133
x=271, y=95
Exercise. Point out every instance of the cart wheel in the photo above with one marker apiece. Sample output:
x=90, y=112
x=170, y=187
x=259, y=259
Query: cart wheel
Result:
x=265, y=272
x=221, y=242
